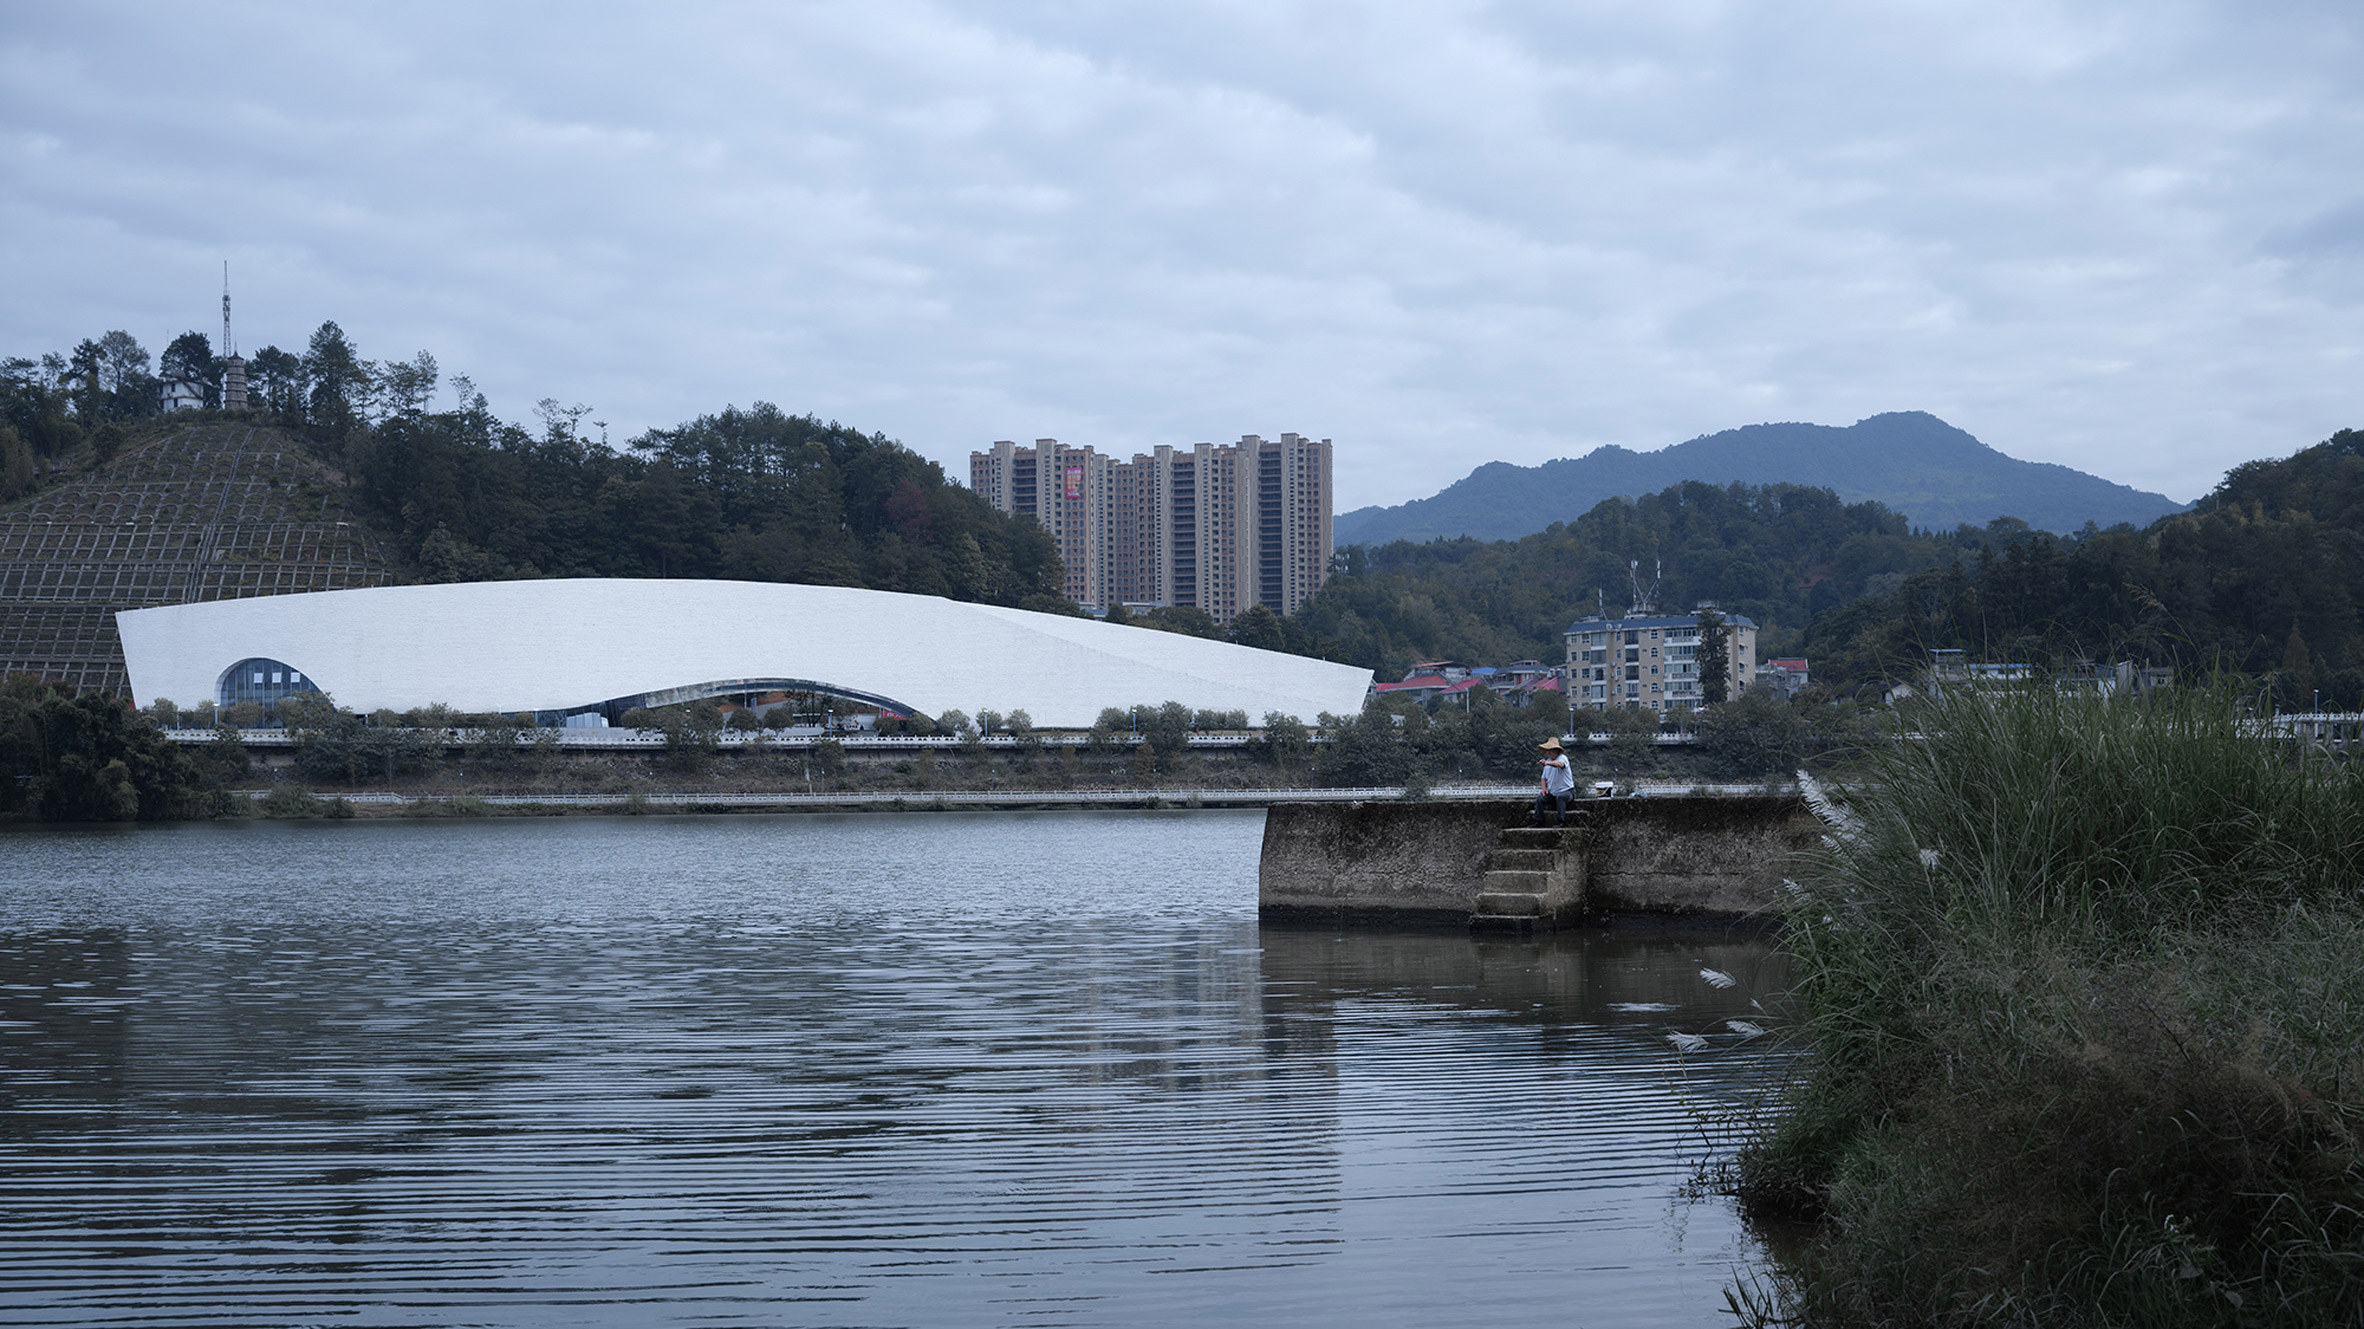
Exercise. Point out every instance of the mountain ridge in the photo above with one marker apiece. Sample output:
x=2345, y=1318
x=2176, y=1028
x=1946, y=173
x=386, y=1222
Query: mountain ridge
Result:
x=1936, y=475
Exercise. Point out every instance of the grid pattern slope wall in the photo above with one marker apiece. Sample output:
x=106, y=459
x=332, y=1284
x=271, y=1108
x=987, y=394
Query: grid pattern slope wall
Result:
x=211, y=512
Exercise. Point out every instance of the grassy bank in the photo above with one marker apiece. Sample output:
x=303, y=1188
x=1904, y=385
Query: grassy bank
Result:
x=2082, y=988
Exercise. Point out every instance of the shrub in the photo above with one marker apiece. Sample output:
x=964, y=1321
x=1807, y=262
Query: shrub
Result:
x=2077, y=982
x=829, y=755
x=69, y=756
x=290, y=801
x=1284, y=742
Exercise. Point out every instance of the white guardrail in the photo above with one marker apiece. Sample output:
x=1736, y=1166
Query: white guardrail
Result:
x=1003, y=798
x=728, y=738
x=795, y=742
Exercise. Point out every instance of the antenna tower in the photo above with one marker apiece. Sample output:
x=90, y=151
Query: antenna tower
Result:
x=1645, y=599
x=233, y=368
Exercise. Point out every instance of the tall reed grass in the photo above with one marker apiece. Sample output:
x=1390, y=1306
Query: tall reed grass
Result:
x=2081, y=981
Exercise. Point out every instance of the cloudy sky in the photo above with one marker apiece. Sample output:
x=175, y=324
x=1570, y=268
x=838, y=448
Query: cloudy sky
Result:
x=2125, y=237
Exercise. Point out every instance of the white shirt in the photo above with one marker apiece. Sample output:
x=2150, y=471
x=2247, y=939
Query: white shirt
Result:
x=1557, y=779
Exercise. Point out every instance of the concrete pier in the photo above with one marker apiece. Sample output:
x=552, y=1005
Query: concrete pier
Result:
x=1705, y=859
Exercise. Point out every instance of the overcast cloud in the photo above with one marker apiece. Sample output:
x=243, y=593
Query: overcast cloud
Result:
x=2128, y=238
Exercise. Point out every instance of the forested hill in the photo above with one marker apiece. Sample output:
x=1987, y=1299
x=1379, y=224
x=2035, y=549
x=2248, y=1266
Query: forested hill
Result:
x=461, y=495
x=1777, y=553
x=1938, y=476
x=2264, y=576
x=753, y=495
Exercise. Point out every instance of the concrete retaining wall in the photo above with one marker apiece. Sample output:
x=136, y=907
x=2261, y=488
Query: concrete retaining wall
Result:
x=1719, y=857
x=1423, y=864
x=1412, y=863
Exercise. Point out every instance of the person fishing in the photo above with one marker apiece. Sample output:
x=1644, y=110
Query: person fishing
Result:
x=1559, y=782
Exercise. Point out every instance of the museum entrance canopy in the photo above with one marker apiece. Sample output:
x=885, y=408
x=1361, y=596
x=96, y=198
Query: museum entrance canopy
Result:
x=572, y=646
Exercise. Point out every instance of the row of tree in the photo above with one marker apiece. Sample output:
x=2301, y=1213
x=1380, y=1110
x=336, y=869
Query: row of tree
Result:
x=462, y=495
x=69, y=756
x=109, y=377
x=752, y=495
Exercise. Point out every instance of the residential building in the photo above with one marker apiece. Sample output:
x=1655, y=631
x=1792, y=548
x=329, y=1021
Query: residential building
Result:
x=1651, y=662
x=1787, y=675
x=1950, y=667
x=1212, y=527
x=1523, y=683
x=1067, y=490
x=183, y=394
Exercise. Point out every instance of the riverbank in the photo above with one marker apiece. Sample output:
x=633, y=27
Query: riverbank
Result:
x=2083, y=1028
x=295, y=801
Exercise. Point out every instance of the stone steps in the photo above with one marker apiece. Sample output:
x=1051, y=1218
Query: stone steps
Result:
x=1530, y=860
x=1522, y=871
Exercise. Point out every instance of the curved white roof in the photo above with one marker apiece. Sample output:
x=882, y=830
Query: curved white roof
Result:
x=562, y=645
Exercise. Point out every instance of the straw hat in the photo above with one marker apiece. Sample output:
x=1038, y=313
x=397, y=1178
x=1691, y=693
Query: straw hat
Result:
x=1548, y=745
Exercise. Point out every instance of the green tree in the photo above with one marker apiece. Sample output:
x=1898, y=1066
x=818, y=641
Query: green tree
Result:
x=1756, y=735
x=1113, y=730
x=19, y=473
x=1715, y=658
x=405, y=387
x=1167, y=727
x=1363, y=750
x=1182, y=619
x=276, y=385
x=338, y=378
x=1633, y=734
x=188, y=358
x=122, y=370
x=68, y=756
x=1259, y=627
x=1285, y=742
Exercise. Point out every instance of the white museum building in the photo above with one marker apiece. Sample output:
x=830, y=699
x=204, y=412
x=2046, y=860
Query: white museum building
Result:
x=602, y=645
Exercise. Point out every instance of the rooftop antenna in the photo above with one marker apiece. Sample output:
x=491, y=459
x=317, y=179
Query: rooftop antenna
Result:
x=229, y=347
x=1645, y=602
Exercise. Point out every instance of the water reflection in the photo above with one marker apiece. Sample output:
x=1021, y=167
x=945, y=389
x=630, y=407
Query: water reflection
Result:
x=872, y=1070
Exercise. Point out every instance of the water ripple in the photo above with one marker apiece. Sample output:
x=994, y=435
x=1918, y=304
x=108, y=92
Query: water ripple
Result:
x=926, y=1070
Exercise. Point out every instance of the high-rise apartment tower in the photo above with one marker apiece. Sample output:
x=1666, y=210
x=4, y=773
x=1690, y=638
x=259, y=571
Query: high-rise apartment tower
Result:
x=1212, y=527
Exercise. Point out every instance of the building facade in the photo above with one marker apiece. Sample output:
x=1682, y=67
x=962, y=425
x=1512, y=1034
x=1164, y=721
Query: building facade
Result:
x=1788, y=675
x=1652, y=662
x=1217, y=527
x=578, y=646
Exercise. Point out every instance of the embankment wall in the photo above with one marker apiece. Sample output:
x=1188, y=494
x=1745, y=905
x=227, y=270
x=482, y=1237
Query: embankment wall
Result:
x=1423, y=864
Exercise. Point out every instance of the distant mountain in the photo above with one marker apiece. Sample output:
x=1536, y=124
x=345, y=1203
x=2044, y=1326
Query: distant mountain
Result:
x=1936, y=475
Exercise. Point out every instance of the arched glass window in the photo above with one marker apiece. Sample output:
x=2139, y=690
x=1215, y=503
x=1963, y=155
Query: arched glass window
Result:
x=266, y=681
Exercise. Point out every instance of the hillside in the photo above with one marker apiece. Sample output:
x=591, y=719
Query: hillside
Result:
x=213, y=511
x=1937, y=476
x=2264, y=576
x=1777, y=553
x=202, y=507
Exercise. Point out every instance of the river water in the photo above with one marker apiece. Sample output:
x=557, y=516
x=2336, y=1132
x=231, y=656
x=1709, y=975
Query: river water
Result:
x=991, y=1069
